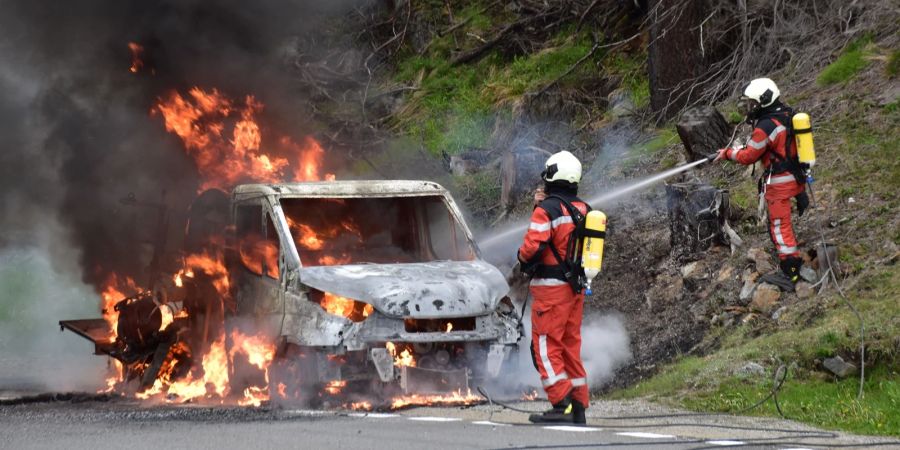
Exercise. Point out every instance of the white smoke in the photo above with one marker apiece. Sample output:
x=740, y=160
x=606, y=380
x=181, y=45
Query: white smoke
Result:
x=605, y=347
x=37, y=289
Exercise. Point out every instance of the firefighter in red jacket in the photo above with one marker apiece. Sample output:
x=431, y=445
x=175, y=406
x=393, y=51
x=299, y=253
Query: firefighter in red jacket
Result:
x=557, y=307
x=773, y=143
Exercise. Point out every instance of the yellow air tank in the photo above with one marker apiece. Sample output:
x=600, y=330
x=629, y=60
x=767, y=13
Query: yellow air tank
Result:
x=803, y=132
x=592, y=250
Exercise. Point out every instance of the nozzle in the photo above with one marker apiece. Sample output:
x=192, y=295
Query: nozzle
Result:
x=711, y=157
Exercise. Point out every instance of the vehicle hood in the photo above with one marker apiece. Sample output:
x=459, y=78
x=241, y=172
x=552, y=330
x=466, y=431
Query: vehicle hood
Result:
x=422, y=290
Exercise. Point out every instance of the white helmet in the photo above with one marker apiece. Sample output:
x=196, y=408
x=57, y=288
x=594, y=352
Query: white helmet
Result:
x=562, y=166
x=762, y=90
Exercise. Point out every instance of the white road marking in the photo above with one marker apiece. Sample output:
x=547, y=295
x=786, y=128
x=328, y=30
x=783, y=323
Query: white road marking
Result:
x=639, y=434
x=798, y=448
x=306, y=412
x=435, y=419
x=725, y=443
x=571, y=428
x=374, y=415
x=493, y=424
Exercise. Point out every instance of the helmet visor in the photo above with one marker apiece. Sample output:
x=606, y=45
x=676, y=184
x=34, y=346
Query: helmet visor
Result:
x=747, y=105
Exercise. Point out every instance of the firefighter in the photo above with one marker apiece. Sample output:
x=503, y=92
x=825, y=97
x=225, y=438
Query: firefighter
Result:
x=783, y=178
x=557, y=307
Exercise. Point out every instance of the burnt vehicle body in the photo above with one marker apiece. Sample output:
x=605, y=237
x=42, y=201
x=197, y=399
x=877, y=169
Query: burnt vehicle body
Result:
x=369, y=281
x=376, y=286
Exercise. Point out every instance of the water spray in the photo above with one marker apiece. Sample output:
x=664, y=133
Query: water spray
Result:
x=600, y=199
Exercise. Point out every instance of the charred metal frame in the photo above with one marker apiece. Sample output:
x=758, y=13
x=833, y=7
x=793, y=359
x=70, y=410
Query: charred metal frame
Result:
x=283, y=308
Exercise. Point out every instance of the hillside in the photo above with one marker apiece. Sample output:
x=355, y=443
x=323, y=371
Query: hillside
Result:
x=475, y=84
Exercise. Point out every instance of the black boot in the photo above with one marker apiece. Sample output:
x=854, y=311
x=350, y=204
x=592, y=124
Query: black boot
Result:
x=560, y=413
x=791, y=268
x=578, y=417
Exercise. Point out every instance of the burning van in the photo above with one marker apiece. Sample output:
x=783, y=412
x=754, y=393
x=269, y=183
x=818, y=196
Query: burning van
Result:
x=369, y=289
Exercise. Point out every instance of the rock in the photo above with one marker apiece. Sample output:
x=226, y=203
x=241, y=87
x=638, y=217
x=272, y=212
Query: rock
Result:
x=839, y=367
x=760, y=259
x=724, y=274
x=778, y=312
x=765, y=297
x=749, y=275
x=751, y=369
x=804, y=290
x=695, y=270
x=808, y=274
x=747, y=292
x=620, y=104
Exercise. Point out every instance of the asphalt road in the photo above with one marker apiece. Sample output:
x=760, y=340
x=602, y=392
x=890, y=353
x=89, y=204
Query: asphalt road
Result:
x=127, y=424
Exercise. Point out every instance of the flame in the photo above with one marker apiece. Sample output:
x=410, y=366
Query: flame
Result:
x=213, y=382
x=401, y=357
x=112, y=294
x=254, y=396
x=345, y=307
x=255, y=251
x=136, y=62
x=167, y=316
x=259, y=350
x=316, y=240
x=449, y=327
x=363, y=405
x=211, y=265
x=454, y=398
x=334, y=387
x=225, y=140
x=114, y=376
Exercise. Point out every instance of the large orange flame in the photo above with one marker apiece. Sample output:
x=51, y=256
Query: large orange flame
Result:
x=225, y=140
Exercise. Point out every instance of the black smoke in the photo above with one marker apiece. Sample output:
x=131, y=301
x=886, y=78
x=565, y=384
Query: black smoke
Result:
x=79, y=150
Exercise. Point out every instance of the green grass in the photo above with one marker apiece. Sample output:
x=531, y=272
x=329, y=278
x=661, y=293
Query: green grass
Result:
x=810, y=395
x=851, y=62
x=824, y=402
x=893, y=64
x=455, y=107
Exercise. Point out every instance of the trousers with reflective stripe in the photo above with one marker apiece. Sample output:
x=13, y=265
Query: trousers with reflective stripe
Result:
x=781, y=188
x=556, y=341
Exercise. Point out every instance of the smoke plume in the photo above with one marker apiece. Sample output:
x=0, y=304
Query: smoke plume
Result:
x=83, y=163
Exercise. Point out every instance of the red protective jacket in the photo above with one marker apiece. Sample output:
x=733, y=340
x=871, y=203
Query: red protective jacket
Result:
x=551, y=223
x=769, y=144
x=556, y=311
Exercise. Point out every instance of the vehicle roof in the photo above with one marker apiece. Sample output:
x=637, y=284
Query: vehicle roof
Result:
x=344, y=188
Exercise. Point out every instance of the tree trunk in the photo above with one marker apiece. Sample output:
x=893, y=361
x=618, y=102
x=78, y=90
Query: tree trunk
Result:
x=520, y=173
x=697, y=214
x=674, y=55
x=703, y=130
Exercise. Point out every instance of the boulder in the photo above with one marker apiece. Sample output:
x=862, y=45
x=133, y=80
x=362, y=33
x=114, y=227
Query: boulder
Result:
x=765, y=298
x=761, y=260
x=804, y=290
x=747, y=292
x=839, y=367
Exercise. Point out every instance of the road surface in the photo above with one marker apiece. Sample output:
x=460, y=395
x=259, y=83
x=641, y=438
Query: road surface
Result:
x=119, y=423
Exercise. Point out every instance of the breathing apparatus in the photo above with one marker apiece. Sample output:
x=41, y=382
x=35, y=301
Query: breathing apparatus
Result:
x=592, y=250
